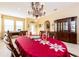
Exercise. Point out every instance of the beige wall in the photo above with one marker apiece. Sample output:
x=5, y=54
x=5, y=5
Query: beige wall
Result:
x=67, y=12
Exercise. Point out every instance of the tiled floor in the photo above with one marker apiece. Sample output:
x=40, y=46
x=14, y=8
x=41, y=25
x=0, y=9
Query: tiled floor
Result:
x=73, y=48
x=4, y=52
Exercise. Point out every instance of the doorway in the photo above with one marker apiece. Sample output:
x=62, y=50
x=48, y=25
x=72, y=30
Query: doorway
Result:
x=32, y=28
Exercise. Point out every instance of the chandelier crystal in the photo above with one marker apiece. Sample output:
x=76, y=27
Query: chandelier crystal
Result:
x=37, y=9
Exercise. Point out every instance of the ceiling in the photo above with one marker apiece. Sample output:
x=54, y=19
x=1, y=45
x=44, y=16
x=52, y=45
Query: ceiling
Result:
x=20, y=9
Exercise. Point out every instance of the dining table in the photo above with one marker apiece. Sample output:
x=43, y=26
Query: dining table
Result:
x=36, y=47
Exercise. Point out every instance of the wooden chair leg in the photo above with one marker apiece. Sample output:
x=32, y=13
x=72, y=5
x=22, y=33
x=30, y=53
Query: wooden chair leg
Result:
x=12, y=55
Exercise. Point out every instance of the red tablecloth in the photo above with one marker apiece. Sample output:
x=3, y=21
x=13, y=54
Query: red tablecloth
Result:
x=29, y=47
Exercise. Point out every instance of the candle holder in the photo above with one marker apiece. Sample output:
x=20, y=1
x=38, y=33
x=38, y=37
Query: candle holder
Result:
x=44, y=37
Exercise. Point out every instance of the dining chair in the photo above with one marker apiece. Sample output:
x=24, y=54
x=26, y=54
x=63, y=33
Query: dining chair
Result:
x=14, y=52
x=44, y=36
x=22, y=33
x=10, y=46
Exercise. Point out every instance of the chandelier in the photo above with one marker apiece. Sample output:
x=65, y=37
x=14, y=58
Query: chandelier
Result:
x=37, y=9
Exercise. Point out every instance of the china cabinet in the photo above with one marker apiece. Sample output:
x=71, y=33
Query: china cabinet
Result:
x=66, y=29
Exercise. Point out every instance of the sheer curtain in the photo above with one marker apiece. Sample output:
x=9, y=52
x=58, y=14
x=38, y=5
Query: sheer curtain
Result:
x=8, y=25
x=19, y=25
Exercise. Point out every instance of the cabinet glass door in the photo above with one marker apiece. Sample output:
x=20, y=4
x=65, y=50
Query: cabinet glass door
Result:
x=65, y=25
x=72, y=23
x=55, y=27
x=59, y=26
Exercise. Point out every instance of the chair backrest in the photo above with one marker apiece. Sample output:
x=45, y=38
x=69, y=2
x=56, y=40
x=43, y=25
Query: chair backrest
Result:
x=22, y=32
x=7, y=38
x=44, y=36
x=10, y=46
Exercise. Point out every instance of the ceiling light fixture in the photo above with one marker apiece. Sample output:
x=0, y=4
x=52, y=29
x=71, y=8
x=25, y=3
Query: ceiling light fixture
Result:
x=37, y=9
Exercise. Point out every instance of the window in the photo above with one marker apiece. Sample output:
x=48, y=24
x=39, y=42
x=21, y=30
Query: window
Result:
x=8, y=25
x=0, y=24
x=19, y=25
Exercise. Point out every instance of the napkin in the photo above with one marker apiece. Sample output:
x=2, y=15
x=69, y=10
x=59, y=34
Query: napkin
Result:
x=44, y=42
x=57, y=47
